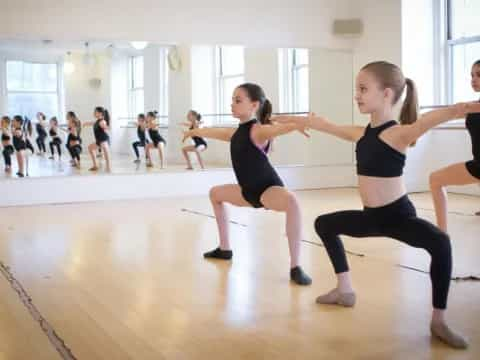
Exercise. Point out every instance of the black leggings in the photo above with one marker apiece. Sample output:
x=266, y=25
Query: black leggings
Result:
x=7, y=154
x=136, y=145
x=29, y=146
x=56, y=142
x=397, y=220
x=41, y=143
x=75, y=151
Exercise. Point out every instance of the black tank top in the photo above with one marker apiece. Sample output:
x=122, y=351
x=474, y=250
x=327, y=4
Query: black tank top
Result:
x=377, y=158
x=472, y=123
x=53, y=133
x=250, y=163
x=155, y=135
x=141, y=134
x=5, y=137
x=198, y=140
x=40, y=130
x=99, y=133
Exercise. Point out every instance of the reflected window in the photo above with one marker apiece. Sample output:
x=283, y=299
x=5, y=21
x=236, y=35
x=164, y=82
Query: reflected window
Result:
x=463, y=45
x=230, y=66
x=136, y=103
x=32, y=87
x=294, y=80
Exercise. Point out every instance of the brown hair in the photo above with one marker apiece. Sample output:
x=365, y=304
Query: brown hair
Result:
x=256, y=93
x=390, y=76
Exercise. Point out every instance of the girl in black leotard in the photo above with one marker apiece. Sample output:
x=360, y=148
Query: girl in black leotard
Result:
x=20, y=145
x=387, y=211
x=258, y=183
x=463, y=173
x=200, y=145
x=142, y=138
x=7, y=146
x=74, y=129
x=158, y=142
x=73, y=142
x=102, y=139
x=55, y=140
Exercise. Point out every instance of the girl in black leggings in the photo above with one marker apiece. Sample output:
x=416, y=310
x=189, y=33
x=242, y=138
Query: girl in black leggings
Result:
x=56, y=140
x=41, y=133
x=142, y=138
x=7, y=146
x=20, y=145
x=387, y=212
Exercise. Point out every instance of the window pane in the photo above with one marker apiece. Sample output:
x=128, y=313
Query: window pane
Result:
x=233, y=62
x=465, y=17
x=301, y=56
x=138, y=72
x=228, y=86
x=138, y=102
x=29, y=104
x=463, y=58
x=31, y=77
x=301, y=90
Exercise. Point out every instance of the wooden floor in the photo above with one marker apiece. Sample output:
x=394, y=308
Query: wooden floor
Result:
x=126, y=280
x=42, y=166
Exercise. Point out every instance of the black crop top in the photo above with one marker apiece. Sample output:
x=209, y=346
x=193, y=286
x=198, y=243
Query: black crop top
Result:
x=472, y=123
x=5, y=137
x=377, y=158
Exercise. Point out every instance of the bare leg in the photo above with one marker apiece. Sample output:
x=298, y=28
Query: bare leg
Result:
x=92, y=149
x=106, y=155
x=456, y=174
x=185, y=151
x=161, y=146
x=219, y=195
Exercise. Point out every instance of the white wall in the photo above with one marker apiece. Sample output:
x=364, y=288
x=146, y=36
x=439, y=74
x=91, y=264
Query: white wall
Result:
x=382, y=37
x=250, y=22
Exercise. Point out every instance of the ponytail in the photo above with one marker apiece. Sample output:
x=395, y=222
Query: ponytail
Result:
x=265, y=112
x=409, y=112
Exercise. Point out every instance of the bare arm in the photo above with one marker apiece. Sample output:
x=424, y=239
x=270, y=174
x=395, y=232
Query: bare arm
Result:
x=224, y=134
x=410, y=133
x=345, y=132
x=262, y=133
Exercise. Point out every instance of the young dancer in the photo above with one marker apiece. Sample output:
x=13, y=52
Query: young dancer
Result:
x=158, y=142
x=258, y=183
x=142, y=138
x=55, y=141
x=387, y=212
x=200, y=145
x=463, y=173
x=8, y=149
x=102, y=139
x=41, y=133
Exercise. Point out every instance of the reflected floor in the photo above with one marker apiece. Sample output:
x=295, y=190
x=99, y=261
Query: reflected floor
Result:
x=42, y=166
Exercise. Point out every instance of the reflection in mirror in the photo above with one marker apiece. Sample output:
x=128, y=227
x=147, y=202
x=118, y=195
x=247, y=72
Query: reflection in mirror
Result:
x=78, y=108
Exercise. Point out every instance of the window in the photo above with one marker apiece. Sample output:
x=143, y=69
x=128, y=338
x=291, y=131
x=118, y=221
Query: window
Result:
x=294, y=83
x=163, y=101
x=32, y=87
x=230, y=65
x=463, y=47
x=136, y=103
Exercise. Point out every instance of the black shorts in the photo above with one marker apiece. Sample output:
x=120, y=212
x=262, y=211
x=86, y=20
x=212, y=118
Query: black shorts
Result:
x=473, y=167
x=157, y=141
x=253, y=194
x=19, y=144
